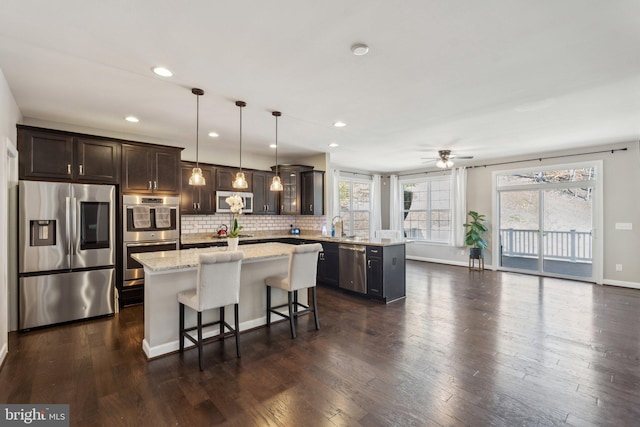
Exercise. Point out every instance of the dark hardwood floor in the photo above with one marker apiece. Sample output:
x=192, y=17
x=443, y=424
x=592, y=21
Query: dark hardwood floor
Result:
x=464, y=348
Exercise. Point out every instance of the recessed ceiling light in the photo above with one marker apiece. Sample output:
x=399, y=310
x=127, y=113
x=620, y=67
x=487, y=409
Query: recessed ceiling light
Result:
x=339, y=124
x=213, y=134
x=359, y=49
x=132, y=119
x=334, y=145
x=272, y=145
x=163, y=72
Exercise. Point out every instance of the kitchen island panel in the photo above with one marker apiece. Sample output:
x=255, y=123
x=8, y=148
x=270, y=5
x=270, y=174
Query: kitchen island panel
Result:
x=163, y=284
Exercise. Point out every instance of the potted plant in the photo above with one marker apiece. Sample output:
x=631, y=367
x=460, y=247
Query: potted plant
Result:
x=236, y=204
x=474, y=235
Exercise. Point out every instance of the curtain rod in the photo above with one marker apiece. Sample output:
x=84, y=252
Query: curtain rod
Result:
x=356, y=173
x=442, y=171
x=549, y=157
x=521, y=161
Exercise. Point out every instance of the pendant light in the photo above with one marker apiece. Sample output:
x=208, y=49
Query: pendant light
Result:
x=240, y=181
x=196, y=177
x=276, y=184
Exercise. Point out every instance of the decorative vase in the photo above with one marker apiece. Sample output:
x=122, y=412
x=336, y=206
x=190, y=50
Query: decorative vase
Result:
x=232, y=243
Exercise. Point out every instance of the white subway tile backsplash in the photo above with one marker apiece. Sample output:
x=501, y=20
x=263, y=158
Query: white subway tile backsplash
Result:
x=211, y=223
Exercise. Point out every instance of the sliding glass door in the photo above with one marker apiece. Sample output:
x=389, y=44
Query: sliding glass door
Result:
x=566, y=238
x=545, y=220
x=520, y=229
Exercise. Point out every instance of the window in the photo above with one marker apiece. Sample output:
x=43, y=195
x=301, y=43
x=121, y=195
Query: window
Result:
x=355, y=206
x=427, y=209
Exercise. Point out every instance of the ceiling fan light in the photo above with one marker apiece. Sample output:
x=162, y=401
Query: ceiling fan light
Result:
x=240, y=181
x=196, y=177
x=276, y=184
x=444, y=164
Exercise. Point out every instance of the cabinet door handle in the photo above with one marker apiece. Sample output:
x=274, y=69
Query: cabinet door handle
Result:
x=150, y=185
x=198, y=205
x=311, y=207
x=374, y=251
x=194, y=206
x=81, y=169
x=155, y=185
x=68, y=169
x=369, y=263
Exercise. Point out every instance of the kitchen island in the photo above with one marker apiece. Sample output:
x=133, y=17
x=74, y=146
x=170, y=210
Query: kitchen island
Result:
x=379, y=272
x=170, y=272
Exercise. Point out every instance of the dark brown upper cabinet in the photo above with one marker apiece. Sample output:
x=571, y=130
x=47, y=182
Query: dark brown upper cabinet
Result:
x=197, y=200
x=290, y=197
x=303, y=192
x=150, y=169
x=312, y=194
x=265, y=201
x=225, y=176
x=60, y=156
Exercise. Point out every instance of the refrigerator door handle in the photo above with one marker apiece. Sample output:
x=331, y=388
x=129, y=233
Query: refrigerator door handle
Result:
x=74, y=225
x=67, y=203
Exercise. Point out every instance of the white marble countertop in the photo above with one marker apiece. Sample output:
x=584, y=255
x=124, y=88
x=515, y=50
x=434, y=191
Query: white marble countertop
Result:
x=188, y=258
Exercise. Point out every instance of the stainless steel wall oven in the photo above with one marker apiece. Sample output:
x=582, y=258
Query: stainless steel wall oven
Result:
x=150, y=224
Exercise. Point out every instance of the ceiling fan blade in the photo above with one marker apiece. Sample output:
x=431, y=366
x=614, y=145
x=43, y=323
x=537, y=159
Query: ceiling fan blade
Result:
x=461, y=157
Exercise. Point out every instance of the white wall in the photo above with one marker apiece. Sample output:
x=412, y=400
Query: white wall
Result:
x=9, y=116
x=620, y=177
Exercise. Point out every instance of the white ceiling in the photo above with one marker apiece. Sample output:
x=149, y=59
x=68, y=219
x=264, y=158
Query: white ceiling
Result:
x=485, y=78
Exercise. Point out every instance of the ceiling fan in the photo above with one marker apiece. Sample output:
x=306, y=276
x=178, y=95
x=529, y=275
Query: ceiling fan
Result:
x=444, y=159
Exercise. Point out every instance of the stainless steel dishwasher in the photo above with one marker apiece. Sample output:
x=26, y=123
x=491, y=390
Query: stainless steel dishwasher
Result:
x=353, y=268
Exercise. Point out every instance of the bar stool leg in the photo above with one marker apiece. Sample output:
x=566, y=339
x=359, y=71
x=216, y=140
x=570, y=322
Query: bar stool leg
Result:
x=237, y=328
x=315, y=307
x=222, y=323
x=268, y=305
x=295, y=301
x=200, y=341
x=291, y=315
x=181, y=331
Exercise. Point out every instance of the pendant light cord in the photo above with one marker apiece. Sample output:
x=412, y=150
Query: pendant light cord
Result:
x=197, y=127
x=276, y=145
x=241, y=138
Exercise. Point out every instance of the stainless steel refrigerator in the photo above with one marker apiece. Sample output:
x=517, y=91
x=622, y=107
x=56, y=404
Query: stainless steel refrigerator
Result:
x=66, y=252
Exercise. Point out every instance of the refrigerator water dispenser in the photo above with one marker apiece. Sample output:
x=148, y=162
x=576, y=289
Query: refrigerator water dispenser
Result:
x=43, y=233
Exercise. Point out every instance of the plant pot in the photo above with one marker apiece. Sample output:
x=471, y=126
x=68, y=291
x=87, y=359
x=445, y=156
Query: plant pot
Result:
x=232, y=243
x=476, y=253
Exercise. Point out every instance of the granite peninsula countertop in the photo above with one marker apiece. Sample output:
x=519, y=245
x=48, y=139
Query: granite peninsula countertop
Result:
x=204, y=238
x=188, y=258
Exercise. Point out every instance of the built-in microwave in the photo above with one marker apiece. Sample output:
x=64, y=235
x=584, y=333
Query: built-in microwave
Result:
x=222, y=206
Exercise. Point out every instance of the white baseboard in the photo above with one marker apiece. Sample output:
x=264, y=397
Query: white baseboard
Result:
x=623, y=284
x=444, y=261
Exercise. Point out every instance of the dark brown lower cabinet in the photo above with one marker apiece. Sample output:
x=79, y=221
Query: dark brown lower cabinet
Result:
x=386, y=274
x=328, y=269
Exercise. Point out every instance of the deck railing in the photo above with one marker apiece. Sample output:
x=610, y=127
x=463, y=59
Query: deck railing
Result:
x=569, y=245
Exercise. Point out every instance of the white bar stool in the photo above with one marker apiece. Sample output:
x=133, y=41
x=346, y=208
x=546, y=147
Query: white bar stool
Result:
x=303, y=268
x=218, y=285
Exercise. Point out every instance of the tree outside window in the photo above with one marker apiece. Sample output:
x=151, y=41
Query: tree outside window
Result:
x=427, y=210
x=355, y=207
